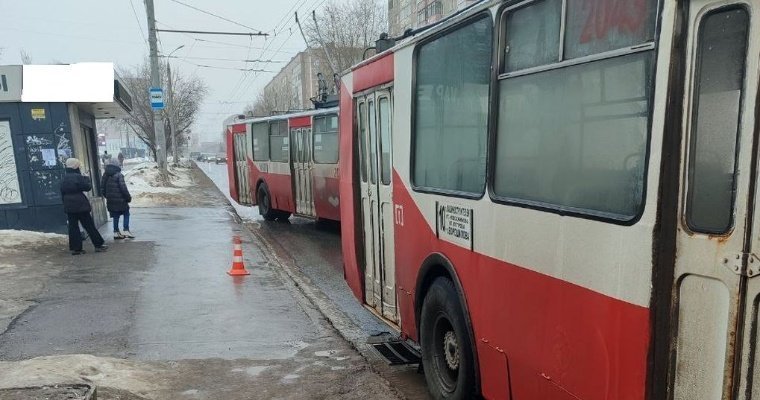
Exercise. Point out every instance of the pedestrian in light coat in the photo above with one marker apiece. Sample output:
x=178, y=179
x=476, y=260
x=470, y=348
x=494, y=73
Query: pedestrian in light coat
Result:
x=77, y=206
x=117, y=198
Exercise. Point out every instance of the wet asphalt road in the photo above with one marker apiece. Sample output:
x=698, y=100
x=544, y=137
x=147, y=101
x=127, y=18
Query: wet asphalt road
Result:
x=314, y=248
x=164, y=304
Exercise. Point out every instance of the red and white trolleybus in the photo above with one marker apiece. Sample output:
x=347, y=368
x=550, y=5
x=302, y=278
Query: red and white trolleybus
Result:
x=286, y=164
x=558, y=199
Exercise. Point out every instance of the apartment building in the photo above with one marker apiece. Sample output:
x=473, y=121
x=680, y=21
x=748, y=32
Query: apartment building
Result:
x=406, y=14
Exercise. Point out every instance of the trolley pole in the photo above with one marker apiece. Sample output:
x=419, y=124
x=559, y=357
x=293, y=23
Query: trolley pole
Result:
x=155, y=81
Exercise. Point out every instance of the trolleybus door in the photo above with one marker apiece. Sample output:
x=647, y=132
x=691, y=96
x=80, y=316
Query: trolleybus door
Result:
x=241, y=167
x=374, y=122
x=715, y=292
x=302, y=170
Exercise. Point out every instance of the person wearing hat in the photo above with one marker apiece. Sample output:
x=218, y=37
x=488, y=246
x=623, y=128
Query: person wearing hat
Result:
x=117, y=198
x=77, y=207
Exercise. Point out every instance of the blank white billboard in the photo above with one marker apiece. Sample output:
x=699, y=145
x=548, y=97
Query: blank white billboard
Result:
x=72, y=83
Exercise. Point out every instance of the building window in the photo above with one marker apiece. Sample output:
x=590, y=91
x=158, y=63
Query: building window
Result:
x=10, y=190
x=451, y=110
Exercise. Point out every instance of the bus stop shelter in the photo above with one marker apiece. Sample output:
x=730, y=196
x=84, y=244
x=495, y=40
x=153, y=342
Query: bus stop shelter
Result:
x=47, y=114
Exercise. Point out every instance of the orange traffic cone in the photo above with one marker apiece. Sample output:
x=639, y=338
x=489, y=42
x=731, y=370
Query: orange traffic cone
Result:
x=238, y=268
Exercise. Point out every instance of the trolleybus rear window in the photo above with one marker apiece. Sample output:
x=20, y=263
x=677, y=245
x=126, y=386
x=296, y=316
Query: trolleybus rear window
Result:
x=451, y=110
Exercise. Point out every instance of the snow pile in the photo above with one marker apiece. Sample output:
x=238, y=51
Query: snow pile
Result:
x=15, y=238
x=144, y=178
x=146, y=188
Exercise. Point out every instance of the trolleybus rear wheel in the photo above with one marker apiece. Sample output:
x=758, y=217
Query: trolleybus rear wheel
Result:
x=447, y=353
x=265, y=203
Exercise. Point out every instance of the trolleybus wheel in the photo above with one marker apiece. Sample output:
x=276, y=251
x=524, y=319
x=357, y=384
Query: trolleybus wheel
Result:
x=447, y=353
x=265, y=203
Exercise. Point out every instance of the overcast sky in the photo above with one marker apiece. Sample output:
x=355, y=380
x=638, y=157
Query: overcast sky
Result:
x=107, y=30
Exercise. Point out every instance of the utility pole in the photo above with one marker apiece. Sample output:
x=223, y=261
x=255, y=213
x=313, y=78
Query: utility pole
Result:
x=155, y=81
x=170, y=107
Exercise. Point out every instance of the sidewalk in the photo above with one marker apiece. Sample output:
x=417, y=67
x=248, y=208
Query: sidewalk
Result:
x=310, y=255
x=159, y=318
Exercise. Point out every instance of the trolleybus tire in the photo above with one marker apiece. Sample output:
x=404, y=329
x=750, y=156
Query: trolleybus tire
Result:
x=447, y=354
x=265, y=203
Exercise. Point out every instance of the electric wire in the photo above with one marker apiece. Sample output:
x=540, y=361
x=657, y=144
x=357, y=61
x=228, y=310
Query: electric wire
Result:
x=215, y=15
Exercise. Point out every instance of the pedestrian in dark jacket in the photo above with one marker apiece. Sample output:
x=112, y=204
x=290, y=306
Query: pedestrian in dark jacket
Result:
x=117, y=198
x=77, y=207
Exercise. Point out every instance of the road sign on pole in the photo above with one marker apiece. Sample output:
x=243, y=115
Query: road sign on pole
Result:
x=156, y=98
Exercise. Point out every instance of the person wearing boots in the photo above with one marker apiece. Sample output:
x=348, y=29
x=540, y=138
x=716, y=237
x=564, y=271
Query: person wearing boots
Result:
x=117, y=198
x=77, y=207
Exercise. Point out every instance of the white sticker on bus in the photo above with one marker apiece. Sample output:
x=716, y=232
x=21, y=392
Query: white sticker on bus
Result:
x=454, y=224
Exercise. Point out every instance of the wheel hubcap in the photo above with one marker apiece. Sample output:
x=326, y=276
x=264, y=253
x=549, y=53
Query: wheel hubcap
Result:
x=451, y=350
x=447, y=359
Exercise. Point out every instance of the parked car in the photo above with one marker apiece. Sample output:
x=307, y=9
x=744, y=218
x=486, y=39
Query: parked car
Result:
x=221, y=158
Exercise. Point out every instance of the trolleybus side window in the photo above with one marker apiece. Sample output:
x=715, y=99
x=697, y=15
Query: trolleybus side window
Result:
x=719, y=79
x=451, y=110
x=279, y=145
x=260, y=133
x=326, y=139
x=573, y=136
x=596, y=26
x=533, y=35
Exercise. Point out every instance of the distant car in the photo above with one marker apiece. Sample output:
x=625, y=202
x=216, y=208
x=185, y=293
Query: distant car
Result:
x=220, y=158
x=195, y=155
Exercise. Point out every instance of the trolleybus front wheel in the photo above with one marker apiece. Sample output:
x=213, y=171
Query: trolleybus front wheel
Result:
x=446, y=347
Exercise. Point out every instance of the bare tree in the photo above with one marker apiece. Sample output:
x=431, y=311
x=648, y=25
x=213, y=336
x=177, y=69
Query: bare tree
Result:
x=189, y=92
x=347, y=28
x=26, y=58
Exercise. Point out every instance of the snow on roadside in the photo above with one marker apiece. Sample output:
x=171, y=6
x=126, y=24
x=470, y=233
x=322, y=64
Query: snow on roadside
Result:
x=10, y=238
x=143, y=183
x=143, y=178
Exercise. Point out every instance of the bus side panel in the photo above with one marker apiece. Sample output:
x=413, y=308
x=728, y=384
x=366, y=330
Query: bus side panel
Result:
x=560, y=340
x=278, y=183
x=281, y=188
x=349, y=215
x=326, y=191
x=231, y=173
x=255, y=175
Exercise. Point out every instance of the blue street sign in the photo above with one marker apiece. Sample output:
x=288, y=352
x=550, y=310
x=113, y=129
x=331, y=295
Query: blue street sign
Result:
x=156, y=98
